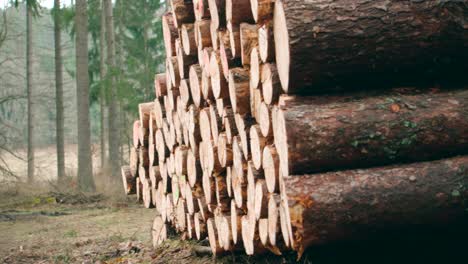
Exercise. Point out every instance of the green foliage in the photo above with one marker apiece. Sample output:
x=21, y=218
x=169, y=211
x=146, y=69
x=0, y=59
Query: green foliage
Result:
x=32, y=4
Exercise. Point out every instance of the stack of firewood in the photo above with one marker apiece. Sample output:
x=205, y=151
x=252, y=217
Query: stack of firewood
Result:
x=252, y=142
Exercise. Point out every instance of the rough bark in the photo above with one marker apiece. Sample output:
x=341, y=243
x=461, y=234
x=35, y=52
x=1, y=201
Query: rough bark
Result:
x=59, y=96
x=262, y=10
x=339, y=205
x=238, y=11
x=114, y=132
x=182, y=11
x=329, y=133
x=85, y=163
x=29, y=91
x=387, y=42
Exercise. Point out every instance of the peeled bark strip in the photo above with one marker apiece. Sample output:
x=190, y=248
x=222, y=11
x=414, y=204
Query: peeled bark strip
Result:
x=271, y=86
x=129, y=181
x=170, y=34
x=262, y=10
x=182, y=11
x=248, y=41
x=320, y=133
x=411, y=41
x=160, y=84
x=335, y=206
x=218, y=13
x=238, y=11
x=239, y=90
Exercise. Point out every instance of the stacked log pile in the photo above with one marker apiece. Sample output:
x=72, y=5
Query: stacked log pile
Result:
x=242, y=146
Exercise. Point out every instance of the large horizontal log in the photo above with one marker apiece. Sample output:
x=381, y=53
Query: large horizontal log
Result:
x=386, y=42
x=328, y=133
x=322, y=208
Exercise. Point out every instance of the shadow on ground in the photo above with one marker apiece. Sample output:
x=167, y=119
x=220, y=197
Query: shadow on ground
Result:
x=60, y=228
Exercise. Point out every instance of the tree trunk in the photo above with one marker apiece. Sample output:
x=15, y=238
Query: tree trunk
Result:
x=85, y=162
x=29, y=90
x=59, y=93
x=351, y=204
x=329, y=133
x=114, y=139
x=104, y=133
x=385, y=42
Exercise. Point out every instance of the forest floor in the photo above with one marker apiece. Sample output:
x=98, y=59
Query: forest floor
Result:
x=52, y=227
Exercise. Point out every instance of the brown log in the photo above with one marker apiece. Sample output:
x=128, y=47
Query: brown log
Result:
x=339, y=205
x=182, y=11
x=136, y=133
x=143, y=157
x=128, y=180
x=218, y=13
x=254, y=68
x=413, y=41
x=201, y=9
x=234, y=40
x=221, y=190
x=266, y=42
x=248, y=41
x=262, y=10
x=271, y=167
x=223, y=38
x=195, y=76
x=238, y=11
x=202, y=34
x=144, y=110
x=169, y=33
x=256, y=100
x=155, y=176
x=239, y=90
x=271, y=86
x=160, y=84
x=351, y=132
x=219, y=83
x=134, y=161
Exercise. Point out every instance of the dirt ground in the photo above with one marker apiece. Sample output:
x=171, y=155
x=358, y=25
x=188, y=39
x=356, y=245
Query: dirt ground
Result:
x=46, y=227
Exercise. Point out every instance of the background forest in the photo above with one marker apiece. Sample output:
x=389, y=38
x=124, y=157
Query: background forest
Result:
x=39, y=77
